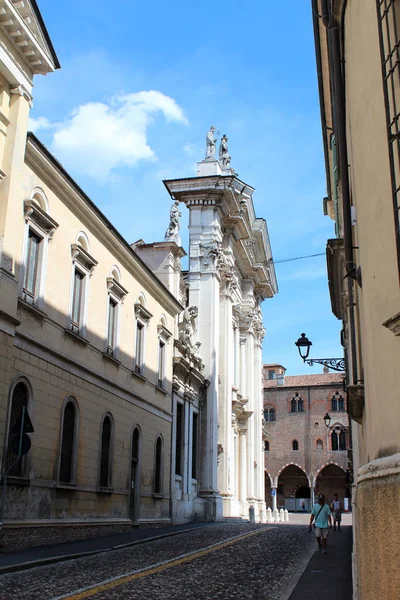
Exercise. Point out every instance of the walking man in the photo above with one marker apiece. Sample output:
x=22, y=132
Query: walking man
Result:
x=337, y=509
x=322, y=515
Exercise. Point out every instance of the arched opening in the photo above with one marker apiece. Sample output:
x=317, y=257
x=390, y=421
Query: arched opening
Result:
x=106, y=453
x=294, y=492
x=134, y=498
x=158, y=467
x=332, y=480
x=267, y=488
x=19, y=401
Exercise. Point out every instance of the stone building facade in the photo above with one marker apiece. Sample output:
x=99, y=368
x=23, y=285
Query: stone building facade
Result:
x=358, y=63
x=218, y=359
x=86, y=338
x=302, y=456
x=137, y=386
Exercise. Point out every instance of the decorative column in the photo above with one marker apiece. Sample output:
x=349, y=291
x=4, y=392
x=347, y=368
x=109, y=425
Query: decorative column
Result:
x=228, y=284
x=243, y=468
x=274, y=494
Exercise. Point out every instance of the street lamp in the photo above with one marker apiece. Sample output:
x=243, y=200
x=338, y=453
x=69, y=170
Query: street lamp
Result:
x=327, y=420
x=303, y=345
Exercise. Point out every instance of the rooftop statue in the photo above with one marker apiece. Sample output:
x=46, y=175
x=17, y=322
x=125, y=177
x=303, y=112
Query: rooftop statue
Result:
x=210, y=143
x=172, y=233
x=224, y=158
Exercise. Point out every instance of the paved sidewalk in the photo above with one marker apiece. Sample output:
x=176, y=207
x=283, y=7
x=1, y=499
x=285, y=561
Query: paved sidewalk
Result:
x=328, y=576
x=52, y=553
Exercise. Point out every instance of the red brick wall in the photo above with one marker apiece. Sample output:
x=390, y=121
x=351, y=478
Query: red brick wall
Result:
x=306, y=428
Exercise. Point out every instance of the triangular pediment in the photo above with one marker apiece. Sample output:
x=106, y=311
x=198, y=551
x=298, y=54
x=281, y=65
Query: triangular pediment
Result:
x=24, y=24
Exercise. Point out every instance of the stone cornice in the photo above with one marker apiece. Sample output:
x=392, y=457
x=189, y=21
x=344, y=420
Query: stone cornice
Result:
x=233, y=199
x=61, y=183
x=19, y=28
x=389, y=466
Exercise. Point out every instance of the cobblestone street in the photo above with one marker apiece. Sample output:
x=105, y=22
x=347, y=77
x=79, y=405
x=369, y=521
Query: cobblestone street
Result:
x=223, y=561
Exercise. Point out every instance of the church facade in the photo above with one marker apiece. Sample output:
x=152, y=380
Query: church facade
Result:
x=230, y=274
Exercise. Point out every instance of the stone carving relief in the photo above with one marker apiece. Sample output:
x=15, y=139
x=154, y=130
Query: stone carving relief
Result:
x=211, y=144
x=172, y=233
x=224, y=158
x=252, y=249
x=188, y=330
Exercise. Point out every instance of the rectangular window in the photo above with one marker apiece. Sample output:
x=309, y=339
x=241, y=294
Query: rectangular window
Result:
x=161, y=363
x=139, y=347
x=194, y=445
x=271, y=374
x=388, y=12
x=179, y=439
x=77, y=301
x=31, y=267
x=112, y=326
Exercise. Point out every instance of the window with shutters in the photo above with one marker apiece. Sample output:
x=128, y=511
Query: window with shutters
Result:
x=39, y=229
x=19, y=400
x=158, y=467
x=106, y=452
x=68, y=448
x=163, y=338
x=31, y=279
x=142, y=316
x=82, y=267
x=116, y=295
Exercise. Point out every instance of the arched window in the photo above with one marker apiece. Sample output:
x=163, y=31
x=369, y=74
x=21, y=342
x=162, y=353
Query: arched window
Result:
x=342, y=440
x=300, y=405
x=106, y=453
x=341, y=404
x=335, y=444
x=158, y=467
x=19, y=400
x=293, y=405
x=295, y=445
x=334, y=404
x=266, y=414
x=320, y=445
x=266, y=446
x=272, y=414
x=68, y=443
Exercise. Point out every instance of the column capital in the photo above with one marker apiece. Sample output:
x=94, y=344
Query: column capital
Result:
x=22, y=91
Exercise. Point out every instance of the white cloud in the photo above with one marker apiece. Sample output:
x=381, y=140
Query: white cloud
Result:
x=40, y=123
x=100, y=137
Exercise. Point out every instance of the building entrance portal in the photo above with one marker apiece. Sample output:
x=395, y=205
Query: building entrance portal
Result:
x=294, y=492
x=332, y=480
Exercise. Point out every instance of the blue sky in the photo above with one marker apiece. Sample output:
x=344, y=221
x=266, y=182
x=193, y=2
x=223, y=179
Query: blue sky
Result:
x=153, y=76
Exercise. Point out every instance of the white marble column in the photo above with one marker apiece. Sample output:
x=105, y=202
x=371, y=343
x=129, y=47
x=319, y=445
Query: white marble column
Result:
x=274, y=499
x=243, y=466
x=251, y=422
x=225, y=433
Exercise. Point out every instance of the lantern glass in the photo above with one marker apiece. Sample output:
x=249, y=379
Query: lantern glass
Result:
x=327, y=420
x=303, y=345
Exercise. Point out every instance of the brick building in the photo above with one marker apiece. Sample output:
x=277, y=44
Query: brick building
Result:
x=303, y=456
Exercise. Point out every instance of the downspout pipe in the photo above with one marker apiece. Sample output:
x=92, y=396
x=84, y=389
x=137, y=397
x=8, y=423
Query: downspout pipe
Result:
x=351, y=270
x=334, y=31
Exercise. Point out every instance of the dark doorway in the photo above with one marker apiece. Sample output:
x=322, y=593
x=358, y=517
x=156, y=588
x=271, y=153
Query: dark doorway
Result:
x=134, y=496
